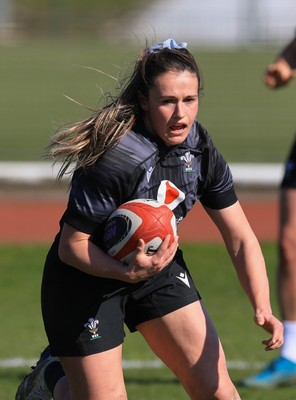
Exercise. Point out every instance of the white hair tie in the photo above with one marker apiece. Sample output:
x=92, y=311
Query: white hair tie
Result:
x=167, y=44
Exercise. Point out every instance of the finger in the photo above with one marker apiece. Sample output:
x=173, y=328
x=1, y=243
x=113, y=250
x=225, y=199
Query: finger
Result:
x=273, y=346
x=171, y=250
x=270, y=81
x=273, y=343
x=175, y=244
x=176, y=240
x=167, y=251
x=164, y=245
x=140, y=247
x=273, y=80
x=277, y=78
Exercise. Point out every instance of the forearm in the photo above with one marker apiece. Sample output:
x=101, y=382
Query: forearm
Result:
x=89, y=258
x=77, y=250
x=247, y=258
x=250, y=267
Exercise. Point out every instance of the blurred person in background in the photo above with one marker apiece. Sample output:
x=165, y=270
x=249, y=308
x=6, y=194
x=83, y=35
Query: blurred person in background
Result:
x=282, y=370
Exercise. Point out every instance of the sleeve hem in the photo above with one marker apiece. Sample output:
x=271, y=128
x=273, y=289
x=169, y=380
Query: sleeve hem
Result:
x=220, y=200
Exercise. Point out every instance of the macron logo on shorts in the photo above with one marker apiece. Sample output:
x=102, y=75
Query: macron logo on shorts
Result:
x=183, y=278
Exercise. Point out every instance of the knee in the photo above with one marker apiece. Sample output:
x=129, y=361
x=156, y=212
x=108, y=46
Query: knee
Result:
x=226, y=393
x=212, y=390
x=231, y=394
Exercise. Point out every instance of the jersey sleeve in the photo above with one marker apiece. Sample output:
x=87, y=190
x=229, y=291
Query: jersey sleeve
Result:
x=90, y=201
x=96, y=192
x=219, y=189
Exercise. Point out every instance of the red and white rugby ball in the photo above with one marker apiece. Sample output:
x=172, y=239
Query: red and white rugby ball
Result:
x=145, y=219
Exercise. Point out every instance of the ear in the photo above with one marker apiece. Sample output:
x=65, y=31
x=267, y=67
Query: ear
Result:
x=143, y=101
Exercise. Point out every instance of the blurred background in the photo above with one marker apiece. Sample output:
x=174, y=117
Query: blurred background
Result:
x=54, y=49
x=58, y=59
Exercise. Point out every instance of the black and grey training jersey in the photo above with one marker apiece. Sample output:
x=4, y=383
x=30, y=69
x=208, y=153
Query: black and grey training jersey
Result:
x=141, y=166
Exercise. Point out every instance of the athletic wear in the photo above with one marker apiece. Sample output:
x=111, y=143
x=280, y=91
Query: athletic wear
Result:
x=288, y=349
x=138, y=165
x=289, y=179
x=279, y=372
x=33, y=386
x=83, y=318
x=84, y=314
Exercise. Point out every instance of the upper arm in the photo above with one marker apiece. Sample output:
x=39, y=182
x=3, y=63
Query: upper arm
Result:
x=232, y=223
x=72, y=241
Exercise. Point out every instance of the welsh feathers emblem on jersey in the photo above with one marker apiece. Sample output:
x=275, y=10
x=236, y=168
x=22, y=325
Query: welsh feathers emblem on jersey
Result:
x=187, y=158
x=169, y=194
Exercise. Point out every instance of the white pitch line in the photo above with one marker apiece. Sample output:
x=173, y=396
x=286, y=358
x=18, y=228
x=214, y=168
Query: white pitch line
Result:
x=18, y=362
x=262, y=174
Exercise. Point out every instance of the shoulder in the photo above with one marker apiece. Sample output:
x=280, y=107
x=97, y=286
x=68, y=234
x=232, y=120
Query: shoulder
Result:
x=127, y=155
x=136, y=145
x=199, y=137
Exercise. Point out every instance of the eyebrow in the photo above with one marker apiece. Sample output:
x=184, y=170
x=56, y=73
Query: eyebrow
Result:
x=174, y=97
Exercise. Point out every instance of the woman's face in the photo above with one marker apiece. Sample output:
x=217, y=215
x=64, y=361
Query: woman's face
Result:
x=171, y=106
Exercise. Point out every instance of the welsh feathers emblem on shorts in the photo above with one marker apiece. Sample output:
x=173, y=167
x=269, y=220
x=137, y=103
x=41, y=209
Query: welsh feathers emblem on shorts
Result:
x=92, y=327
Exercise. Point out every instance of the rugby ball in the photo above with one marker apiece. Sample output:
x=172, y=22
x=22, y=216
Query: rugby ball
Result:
x=137, y=219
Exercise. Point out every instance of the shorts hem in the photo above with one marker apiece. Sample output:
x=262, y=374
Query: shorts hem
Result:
x=188, y=300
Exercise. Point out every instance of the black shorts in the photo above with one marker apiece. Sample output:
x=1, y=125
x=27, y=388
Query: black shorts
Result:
x=82, y=318
x=289, y=179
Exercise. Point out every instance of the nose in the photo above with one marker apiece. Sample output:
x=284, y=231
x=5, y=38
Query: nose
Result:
x=179, y=110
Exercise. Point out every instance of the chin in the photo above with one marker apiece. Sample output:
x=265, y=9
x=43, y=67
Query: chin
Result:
x=175, y=140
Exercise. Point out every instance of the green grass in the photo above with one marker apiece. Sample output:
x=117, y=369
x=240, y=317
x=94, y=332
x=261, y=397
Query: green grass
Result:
x=248, y=122
x=22, y=332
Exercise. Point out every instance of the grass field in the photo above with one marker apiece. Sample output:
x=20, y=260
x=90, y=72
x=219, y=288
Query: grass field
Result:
x=22, y=333
x=248, y=122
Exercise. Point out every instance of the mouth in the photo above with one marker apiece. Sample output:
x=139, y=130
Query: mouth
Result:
x=177, y=128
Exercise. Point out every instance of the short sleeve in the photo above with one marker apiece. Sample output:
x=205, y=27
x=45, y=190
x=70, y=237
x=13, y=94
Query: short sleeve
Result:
x=219, y=189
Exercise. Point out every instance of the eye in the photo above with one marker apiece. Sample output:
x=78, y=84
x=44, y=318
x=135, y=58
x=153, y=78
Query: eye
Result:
x=190, y=99
x=168, y=101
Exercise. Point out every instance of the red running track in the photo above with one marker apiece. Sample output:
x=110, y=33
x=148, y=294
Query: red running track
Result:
x=35, y=220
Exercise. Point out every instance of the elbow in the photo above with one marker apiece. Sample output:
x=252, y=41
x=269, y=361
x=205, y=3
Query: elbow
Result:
x=64, y=252
x=73, y=248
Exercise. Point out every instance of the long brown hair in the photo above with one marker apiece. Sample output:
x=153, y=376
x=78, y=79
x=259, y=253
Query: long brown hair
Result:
x=83, y=142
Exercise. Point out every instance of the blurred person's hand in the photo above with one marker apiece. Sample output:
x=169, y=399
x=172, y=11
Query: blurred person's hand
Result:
x=278, y=74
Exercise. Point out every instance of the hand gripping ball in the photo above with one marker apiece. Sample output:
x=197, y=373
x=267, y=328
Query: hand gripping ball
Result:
x=138, y=219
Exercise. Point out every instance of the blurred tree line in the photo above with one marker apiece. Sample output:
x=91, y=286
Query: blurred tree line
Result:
x=70, y=17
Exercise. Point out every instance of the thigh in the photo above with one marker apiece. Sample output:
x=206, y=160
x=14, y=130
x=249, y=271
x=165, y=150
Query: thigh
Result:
x=98, y=376
x=187, y=342
x=287, y=244
x=289, y=178
x=288, y=208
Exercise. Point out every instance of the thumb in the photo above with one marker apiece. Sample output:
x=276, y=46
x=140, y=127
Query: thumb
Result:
x=259, y=319
x=141, y=245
